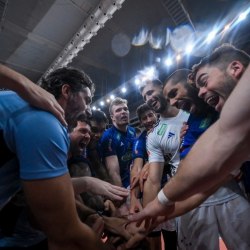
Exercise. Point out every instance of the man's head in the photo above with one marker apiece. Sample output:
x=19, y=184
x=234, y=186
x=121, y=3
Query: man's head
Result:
x=98, y=122
x=73, y=89
x=146, y=116
x=119, y=112
x=217, y=74
x=80, y=136
x=152, y=94
x=182, y=94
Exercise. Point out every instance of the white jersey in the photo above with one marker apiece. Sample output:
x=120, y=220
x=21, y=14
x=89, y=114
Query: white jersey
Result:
x=163, y=141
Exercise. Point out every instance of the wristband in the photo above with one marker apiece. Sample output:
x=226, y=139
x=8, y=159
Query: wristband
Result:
x=163, y=199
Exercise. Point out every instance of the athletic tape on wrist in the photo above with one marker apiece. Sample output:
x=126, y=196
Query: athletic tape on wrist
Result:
x=163, y=199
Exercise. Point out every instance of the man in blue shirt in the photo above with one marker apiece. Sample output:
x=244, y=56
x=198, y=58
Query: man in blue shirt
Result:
x=37, y=144
x=117, y=143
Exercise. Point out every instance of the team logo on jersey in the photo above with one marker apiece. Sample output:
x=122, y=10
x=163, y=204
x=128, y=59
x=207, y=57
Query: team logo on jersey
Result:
x=118, y=136
x=170, y=134
x=162, y=129
x=127, y=156
x=205, y=123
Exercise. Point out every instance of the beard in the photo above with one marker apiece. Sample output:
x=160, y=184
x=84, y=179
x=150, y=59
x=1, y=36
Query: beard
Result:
x=228, y=85
x=163, y=104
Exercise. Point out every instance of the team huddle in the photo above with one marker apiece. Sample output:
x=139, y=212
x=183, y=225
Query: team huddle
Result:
x=69, y=182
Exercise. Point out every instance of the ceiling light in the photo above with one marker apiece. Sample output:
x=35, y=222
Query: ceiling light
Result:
x=168, y=62
x=178, y=57
x=112, y=97
x=124, y=90
x=189, y=48
x=102, y=103
x=108, y=100
x=211, y=36
x=94, y=107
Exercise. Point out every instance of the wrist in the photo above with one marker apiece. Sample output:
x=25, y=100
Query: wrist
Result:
x=163, y=199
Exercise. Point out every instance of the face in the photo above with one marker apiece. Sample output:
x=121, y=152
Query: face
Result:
x=148, y=119
x=79, y=138
x=97, y=130
x=78, y=103
x=120, y=115
x=214, y=86
x=153, y=96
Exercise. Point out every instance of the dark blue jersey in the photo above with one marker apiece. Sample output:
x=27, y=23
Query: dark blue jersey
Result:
x=140, y=149
x=116, y=142
x=196, y=126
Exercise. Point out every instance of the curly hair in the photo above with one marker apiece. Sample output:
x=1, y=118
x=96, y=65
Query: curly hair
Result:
x=75, y=78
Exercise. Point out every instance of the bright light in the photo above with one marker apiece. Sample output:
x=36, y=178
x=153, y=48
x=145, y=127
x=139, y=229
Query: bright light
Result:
x=168, y=61
x=211, y=36
x=112, y=97
x=178, y=57
x=150, y=72
x=158, y=59
x=94, y=107
x=227, y=27
x=137, y=81
x=102, y=103
x=99, y=109
x=189, y=48
x=108, y=100
x=124, y=90
x=243, y=16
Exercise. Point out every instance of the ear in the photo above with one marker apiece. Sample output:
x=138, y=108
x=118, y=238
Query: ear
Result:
x=66, y=91
x=236, y=69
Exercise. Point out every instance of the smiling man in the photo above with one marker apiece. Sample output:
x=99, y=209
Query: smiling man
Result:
x=36, y=146
x=226, y=143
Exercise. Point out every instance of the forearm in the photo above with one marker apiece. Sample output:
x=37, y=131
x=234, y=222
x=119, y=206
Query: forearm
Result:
x=150, y=191
x=115, y=178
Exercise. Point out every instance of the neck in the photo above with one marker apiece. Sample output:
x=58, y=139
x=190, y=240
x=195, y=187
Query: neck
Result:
x=170, y=111
x=122, y=128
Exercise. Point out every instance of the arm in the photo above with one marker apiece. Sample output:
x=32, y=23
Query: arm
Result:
x=30, y=92
x=155, y=213
x=153, y=183
x=113, y=168
x=57, y=216
x=96, y=163
x=99, y=187
x=135, y=204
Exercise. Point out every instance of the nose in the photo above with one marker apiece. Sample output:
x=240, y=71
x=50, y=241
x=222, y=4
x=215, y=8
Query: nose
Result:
x=172, y=101
x=202, y=92
x=88, y=111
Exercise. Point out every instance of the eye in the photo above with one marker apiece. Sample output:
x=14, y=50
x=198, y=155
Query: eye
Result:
x=172, y=93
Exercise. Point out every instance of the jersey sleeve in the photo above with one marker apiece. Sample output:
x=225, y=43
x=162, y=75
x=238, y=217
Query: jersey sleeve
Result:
x=139, y=148
x=107, y=145
x=155, y=153
x=41, y=144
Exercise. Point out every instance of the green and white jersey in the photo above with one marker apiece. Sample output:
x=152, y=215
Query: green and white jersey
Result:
x=163, y=141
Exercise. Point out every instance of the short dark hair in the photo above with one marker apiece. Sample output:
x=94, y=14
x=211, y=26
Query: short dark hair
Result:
x=221, y=57
x=142, y=109
x=179, y=76
x=75, y=78
x=156, y=82
x=98, y=116
x=80, y=118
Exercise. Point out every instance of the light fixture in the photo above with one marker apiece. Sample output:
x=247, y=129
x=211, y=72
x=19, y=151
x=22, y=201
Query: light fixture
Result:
x=102, y=103
x=168, y=62
x=94, y=108
x=112, y=97
x=124, y=90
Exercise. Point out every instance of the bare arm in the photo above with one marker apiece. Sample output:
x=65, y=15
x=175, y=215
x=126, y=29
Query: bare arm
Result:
x=30, y=92
x=226, y=146
x=99, y=187
x=113, y=169
x=153, y=183
x=135, y=204
x=53, y=204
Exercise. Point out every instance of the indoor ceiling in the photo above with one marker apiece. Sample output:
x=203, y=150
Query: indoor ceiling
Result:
x=111, y=40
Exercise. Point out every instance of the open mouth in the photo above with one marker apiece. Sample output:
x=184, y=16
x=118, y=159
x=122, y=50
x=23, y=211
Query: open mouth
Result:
x=213, y=100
